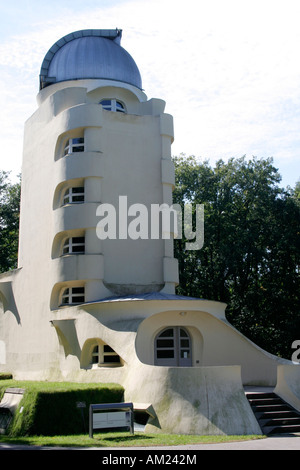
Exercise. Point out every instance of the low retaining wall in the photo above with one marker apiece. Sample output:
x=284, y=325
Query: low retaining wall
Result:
x=288, y=384
x=202, y=400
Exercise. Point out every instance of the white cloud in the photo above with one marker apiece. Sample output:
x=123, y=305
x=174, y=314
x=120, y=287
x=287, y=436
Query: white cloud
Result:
x=228, y=71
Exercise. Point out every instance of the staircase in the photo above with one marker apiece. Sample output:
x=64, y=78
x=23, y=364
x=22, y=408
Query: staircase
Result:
x=273, y=414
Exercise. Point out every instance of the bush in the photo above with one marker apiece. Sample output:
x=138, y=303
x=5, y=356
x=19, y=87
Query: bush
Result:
x=51, y=408
x=5, y=376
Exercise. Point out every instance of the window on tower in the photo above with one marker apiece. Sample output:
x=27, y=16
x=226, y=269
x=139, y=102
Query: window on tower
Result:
x=74, y=145
x=74, y=245
x=113, y=105
x=73, y=296
x=73, y=195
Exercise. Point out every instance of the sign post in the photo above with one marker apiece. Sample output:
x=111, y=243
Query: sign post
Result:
x=81, y=405
x=111, y=416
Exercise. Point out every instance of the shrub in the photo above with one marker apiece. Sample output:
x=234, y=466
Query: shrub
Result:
x=51, y=408
x=5, y=376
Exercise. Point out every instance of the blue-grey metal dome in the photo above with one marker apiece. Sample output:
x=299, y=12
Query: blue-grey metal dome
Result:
x=89, y=54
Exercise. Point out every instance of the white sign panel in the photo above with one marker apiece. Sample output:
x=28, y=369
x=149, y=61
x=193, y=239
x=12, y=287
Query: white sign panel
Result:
x=116, y=419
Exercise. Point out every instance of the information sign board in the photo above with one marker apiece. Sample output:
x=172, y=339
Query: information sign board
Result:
x=111, y=416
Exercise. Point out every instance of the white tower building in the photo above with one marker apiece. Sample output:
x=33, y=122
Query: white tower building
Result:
x=93, y=298
x=99, y=139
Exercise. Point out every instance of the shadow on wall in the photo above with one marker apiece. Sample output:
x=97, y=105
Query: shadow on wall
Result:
x=8, y=300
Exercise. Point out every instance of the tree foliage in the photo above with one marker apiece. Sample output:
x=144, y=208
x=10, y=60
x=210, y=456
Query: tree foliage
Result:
x=250, y=256
x=9, y=222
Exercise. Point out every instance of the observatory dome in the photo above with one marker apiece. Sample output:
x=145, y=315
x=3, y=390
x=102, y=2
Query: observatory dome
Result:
x=89, y=54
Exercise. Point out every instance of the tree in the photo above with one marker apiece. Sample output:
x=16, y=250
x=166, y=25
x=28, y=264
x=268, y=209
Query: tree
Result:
x=250, y=257
x=296, y=192
x=9, y=222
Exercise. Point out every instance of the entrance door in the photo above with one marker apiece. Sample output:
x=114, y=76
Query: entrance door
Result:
x=173, y=348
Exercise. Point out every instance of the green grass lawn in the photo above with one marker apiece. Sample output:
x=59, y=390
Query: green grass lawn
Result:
x=49, y=403
x=121, y=439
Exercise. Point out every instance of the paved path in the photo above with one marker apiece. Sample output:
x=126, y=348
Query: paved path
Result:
x=270, y=443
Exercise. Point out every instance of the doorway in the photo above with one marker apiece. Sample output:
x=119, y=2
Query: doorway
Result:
x=173, y=347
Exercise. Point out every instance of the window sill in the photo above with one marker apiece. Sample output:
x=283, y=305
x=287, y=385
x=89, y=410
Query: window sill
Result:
x=109, y=365
x=71, y=305
x=65, y=255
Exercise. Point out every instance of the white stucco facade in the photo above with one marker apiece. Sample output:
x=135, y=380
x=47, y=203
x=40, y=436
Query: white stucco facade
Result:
x=82, y=308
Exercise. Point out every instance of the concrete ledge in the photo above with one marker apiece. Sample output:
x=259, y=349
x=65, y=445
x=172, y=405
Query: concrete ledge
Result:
x=144, y=407
x=12, y=398
x=288, y=384
x=190, y=400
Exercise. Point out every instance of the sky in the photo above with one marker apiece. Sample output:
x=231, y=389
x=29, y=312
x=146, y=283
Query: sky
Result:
x=228, y=70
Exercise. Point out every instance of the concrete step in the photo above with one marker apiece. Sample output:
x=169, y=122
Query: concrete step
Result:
x=280, y=421
x=257, y=395
x=276, y=415
x=273, y=414
x=265, y=401
x=264, y=408
x=281, y=429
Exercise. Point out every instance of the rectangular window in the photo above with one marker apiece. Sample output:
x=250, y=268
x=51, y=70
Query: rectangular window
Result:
x=73, y=295
x=109, y=355
x=77, y=295
x=111, y=359
x=74, y=245
x=165, y=343
x=165, y=353
x=74, y=195
x=74, y=145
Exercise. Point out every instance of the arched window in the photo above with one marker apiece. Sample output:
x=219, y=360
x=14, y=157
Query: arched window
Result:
x=173, y=347
x=113, y=105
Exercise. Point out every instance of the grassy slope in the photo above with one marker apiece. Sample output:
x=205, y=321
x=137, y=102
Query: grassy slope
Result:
x=51, y=406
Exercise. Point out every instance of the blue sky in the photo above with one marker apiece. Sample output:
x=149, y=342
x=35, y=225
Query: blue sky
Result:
x=229, y=71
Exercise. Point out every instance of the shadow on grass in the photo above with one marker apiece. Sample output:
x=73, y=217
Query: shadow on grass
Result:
x=98, y=440
x=121, y=438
